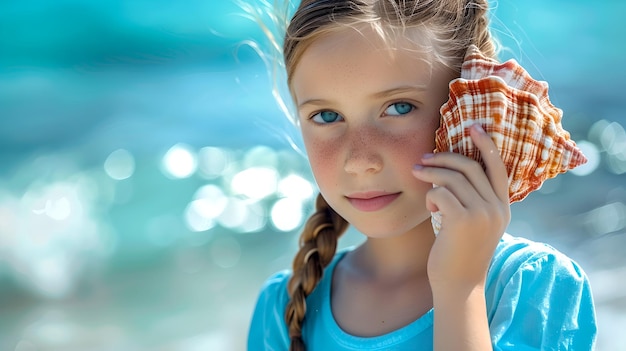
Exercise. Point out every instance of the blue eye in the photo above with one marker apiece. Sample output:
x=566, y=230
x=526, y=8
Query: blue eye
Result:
x=399, y=108
x=325, y=117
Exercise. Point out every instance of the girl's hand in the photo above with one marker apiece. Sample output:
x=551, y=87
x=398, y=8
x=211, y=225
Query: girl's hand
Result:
x=474, y=206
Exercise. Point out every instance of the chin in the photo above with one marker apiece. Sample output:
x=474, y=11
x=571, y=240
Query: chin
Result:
x=382, y=229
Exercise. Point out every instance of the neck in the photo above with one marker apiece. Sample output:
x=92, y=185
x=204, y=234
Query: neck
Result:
x=398, y=257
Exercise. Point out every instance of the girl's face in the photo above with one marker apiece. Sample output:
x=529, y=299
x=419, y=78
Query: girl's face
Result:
x=368, y=112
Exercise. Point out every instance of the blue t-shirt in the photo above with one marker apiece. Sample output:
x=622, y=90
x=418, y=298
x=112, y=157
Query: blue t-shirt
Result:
x=537, y=299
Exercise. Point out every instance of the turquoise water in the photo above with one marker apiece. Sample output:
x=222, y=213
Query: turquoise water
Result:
x=148, y=185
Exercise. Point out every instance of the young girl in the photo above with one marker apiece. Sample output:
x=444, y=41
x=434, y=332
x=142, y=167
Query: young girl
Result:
x=368, y=79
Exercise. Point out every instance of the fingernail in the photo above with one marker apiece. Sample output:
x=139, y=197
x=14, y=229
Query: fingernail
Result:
x=479, y=128
x=427, y=156
x=417, y=167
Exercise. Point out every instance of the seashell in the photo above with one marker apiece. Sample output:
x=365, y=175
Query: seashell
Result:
x=515, y=110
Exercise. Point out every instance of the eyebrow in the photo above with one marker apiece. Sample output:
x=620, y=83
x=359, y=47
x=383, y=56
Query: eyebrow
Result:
x=400, y=89
x=378, y=95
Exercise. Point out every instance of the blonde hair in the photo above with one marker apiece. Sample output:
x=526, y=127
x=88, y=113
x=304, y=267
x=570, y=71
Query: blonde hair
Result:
x=449, y=27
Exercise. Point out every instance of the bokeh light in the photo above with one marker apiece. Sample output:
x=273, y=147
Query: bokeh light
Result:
x=50, y=236
x=260, y=156
x=287, y=214
x=295, y=186
x=606, y=219
x=213, y=161
x=611, y=138
x=235, y=213
x=255, y=183
x=180, y=161
x=208, y=204
x=256, y=218
x=196, y=218
x=120, y=164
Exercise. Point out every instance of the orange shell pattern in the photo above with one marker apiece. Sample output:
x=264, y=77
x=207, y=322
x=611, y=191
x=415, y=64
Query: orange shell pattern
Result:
x=514, y=109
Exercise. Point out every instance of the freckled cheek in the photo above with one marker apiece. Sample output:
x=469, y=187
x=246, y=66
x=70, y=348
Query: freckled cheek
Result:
x=407, y=148
x=324, y=159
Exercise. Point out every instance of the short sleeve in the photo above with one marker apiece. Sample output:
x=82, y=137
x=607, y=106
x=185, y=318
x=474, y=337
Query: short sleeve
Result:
x=268, y=331
x=543, y=304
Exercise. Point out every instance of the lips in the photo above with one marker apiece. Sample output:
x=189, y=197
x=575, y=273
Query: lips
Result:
x=372, y=201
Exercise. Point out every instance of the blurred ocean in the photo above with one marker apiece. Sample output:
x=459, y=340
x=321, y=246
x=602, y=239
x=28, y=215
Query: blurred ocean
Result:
x=148, y=185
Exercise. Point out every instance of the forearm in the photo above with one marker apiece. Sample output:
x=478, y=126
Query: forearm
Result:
x=460, y=320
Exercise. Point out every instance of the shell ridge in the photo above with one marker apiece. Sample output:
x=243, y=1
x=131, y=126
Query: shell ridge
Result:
x=516, y=111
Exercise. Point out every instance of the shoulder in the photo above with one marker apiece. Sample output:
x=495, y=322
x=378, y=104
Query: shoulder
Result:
x=538, y=297
x=515, y=255
x=276, y=283
x=267, y=328
x=521, y=266
x=273, y=296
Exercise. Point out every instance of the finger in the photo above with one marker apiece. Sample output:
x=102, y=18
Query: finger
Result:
x=469, y=168
x=454, y=181
x=494, y=167
x=442, y=200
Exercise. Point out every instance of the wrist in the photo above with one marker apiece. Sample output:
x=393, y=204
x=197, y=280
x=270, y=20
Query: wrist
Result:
x=461, y=311
x=457, y=290
x=461, y=284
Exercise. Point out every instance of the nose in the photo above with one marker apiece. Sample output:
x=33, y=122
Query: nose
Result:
x=363, y=154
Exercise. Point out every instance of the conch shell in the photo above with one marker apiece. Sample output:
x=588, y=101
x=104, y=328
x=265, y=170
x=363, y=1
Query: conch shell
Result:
x=514, y=109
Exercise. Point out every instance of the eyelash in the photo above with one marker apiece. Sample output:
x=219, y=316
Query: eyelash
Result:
x=338, y=117
x=411, y=107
